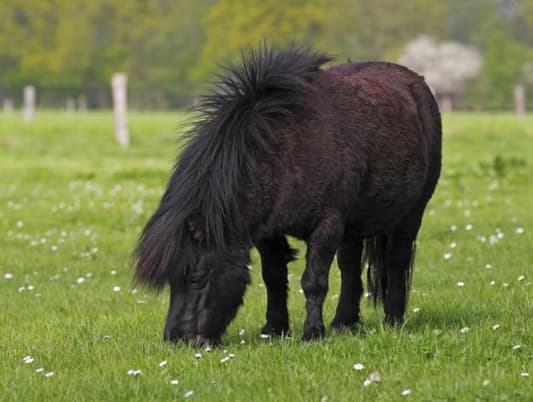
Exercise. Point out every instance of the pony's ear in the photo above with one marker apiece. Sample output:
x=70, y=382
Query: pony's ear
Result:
x=194, y=225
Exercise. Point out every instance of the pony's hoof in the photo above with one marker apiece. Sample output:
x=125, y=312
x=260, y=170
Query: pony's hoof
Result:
x=394, y=321
x=344, y=325
x=275, y=331
x=313, y=334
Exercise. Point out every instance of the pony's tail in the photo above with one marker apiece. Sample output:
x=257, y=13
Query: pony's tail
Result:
x=375, y=256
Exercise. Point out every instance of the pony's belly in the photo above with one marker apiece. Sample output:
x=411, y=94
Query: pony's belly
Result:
x=369, y=218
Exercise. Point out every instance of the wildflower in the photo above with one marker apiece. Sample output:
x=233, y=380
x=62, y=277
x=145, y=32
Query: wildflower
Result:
x=358, y=366
x=28, y=359
x=374, y=376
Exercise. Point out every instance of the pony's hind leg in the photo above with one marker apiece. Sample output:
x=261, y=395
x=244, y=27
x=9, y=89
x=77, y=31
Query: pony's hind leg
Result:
x=275, y=254
x=349, y=261
x=400, y=256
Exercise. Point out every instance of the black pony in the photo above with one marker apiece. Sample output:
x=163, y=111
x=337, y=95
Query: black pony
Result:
x=344, y=158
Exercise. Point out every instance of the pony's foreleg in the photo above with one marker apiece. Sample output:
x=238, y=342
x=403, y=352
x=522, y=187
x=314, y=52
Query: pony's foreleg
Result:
x=275, y=254
x=349, y=261
x=400, y=256
x=321, y=247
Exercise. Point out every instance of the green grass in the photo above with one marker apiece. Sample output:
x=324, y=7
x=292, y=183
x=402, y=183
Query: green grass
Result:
x=72, y=204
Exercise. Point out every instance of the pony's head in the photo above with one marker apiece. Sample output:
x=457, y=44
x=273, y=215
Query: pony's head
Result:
x=207, y=285
x=206, y=297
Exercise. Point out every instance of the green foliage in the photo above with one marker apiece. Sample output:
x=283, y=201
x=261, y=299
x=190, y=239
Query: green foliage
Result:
x=72, y=203
x=501, y=71
x=171, y=49
x=69, y=48
x=254, y=21
x=501, y=166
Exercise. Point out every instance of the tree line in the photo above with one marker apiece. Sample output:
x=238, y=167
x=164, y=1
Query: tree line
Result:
x=172, y=49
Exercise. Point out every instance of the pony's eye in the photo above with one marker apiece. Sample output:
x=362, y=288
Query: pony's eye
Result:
x=197, y=281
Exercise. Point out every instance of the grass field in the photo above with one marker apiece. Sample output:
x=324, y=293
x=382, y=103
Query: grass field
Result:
x=71, y=327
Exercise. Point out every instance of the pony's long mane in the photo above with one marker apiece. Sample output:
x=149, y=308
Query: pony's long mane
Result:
x=234, y=123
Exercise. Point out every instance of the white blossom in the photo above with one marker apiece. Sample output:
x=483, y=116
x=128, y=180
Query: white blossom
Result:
x=445, y=66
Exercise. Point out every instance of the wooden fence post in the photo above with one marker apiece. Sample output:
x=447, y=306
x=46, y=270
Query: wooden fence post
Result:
x=28, y=111
x=520, y=100
x=82, y=103
x=8, y=106
x=118, y=84
x=446, y=103
x=70, y=105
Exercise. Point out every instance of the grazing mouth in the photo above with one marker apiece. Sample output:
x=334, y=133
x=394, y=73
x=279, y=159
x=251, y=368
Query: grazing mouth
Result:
x=200, y=341
x=195, y=341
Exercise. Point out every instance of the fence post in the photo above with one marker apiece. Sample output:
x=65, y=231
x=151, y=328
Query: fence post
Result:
x=118, y=84
x=82, y=103
x=446, y=103
x=70, y=105
x=8, y=106
x=520, y=100
x=28, y=111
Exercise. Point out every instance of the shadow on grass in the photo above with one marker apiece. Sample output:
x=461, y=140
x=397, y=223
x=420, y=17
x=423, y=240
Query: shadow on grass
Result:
x=446, y=317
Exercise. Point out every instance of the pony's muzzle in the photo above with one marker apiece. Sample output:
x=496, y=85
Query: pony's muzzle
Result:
x=194, y=340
